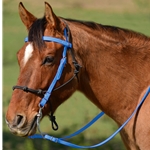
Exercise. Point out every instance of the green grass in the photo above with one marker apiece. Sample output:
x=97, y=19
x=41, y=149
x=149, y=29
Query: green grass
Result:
x=77, y=111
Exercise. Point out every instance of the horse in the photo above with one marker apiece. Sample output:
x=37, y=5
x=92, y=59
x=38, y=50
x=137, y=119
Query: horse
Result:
x=109, y=65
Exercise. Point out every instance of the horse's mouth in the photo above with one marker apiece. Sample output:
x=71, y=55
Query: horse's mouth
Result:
x=27, y=130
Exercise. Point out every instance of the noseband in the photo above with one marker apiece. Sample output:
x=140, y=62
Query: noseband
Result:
x=46, y=94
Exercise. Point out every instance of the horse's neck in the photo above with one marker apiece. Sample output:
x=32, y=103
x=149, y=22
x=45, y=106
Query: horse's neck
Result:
x=87, y=51
x=102, y=80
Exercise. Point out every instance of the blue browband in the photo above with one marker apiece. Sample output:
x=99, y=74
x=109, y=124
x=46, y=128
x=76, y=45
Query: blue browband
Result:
x=52, y=39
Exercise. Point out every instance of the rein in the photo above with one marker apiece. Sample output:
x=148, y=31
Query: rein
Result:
x=66, y=143
x=46, y=95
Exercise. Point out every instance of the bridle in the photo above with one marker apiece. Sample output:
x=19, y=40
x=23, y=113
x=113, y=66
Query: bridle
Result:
x=46, y=94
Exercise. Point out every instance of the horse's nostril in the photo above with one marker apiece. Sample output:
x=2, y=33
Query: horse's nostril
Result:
x=19, y=121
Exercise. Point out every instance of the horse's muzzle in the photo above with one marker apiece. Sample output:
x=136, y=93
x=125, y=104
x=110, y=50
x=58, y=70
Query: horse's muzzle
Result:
x=21, y=127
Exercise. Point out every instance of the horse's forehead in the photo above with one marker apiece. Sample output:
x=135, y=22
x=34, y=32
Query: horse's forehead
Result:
x=28, y=53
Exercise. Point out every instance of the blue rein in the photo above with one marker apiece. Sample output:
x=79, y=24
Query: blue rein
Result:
x=66, y=143
x=47, y=95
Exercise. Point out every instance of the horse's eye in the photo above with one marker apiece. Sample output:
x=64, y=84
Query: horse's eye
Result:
x=48, y=60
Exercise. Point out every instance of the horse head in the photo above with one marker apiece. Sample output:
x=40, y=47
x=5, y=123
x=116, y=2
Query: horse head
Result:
x=39, y=60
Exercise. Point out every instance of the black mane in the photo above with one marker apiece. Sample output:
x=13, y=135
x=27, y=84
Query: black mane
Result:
x=38, y=27
x=93, y=25
x=110, y=29
x=89, y=24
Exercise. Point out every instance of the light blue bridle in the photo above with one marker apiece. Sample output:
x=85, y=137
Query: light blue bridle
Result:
x=67, y=45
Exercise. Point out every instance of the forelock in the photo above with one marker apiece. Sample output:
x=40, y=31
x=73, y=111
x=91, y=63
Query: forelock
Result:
x=36, y=33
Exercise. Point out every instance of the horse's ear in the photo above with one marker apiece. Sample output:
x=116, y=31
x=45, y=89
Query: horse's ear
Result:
x=51, y=18
x=26, y=17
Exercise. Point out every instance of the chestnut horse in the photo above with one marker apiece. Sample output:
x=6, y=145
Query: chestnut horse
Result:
x=114, y=74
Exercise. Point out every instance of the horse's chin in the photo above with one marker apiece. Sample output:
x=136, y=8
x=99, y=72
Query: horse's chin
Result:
x=28, y=130
x=23, y=133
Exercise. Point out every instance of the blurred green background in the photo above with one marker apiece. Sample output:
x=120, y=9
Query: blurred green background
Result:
x=77, y=111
